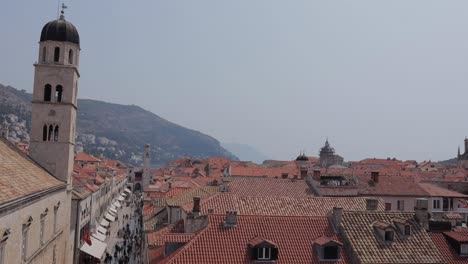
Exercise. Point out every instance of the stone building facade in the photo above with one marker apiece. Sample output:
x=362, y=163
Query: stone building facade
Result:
x=36, y=190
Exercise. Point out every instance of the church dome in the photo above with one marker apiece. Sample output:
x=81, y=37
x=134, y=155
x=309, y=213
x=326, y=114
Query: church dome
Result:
x=302, y=157
x=60, y=30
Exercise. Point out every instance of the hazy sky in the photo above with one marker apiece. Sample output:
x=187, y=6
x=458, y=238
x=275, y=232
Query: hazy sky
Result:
x=379, y=78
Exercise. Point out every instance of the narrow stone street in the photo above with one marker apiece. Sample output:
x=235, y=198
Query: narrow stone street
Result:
x=124, y=242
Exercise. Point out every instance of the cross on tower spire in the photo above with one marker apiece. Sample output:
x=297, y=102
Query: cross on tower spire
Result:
x=62, y=16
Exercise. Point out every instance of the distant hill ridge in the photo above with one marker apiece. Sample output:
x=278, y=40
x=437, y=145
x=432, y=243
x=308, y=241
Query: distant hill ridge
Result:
x=120, y=131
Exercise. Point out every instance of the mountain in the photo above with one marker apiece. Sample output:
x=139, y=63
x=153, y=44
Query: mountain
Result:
x=116, y=131
x=245, y=152
x=449, y=161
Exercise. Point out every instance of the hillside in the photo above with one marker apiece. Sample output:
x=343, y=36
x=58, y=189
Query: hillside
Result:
x=245, y=152
x=117, y=131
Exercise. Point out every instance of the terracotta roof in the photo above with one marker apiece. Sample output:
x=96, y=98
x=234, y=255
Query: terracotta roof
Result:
x=446, y=250
x=292, y=235
x=325, y=240
x=390, y=185
x=453, y=216
x=436, y=191
x=459, y=236
x=20, y=175
x=278, y=206
x=81, y=156
x=263, y=171
x=187, y=197
x=269, y=187
x=416, y=248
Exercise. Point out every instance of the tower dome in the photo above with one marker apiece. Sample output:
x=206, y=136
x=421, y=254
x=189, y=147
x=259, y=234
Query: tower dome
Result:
x=60, y=30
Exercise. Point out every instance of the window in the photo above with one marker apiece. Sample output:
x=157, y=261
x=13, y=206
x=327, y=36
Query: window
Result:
x=436, y=204
x=330, y=252
x=24, y=243
x=70, y=56
x=388, y=206
x=263, y=253
x=44, y=54
x=407, y=230
x=58, y=93
x=41, y=235
x=44, y=133
x=56, y=54
x=389, y=235
x=51, y=131
x=401, y=205
x=47, y=92
x=56, y=133
x=464, y=249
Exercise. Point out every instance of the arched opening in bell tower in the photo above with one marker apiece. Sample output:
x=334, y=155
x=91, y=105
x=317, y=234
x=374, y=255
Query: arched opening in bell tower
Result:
x=51, y=132
x=44, y=54
x=47, y=92
x=58, y=93
x=56, y=54
x=56, y=133
x=70, y=56
x=44, y=133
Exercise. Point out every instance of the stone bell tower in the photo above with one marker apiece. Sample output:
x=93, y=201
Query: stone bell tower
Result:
x=146, y=167
x=54, y=101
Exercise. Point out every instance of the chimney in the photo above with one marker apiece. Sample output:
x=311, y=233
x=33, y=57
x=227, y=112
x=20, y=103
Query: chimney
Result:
x=284, y=175
x=316, y=174
x=303, y=174
x=196, y=206
x=231, y=219
x=375, y=176
x=371, y=204
x=336, y=217
x=420, y=212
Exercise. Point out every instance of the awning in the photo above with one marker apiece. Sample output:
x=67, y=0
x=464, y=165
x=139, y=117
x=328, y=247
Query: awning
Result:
x=102, y=230
x=113, y=210
x=112, y=213
x=109, y=217
x=124, y=194
x=99, y=236
x=116, y=204
x=96, y=249
x=127, y=190
x=104, y=223
x=120, y=198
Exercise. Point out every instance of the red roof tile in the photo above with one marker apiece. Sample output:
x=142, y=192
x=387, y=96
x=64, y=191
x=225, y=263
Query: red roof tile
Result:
x=293, y=236
x=269, y=187
x=279, y=206
x=447, y=252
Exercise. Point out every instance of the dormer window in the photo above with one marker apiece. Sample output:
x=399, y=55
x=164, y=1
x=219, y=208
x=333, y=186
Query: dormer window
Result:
x=403, y=225
x=263, y=250
x=389, y=235
x=327, y=249
x=459, y=241
x=407, y=230
x=384, y=230
x=263, y=253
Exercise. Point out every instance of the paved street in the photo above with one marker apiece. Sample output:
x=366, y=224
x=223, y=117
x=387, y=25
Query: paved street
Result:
x=124, y=237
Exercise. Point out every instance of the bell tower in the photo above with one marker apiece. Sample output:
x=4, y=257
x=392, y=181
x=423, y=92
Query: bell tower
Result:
x=146, y=167
x=54, y=102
